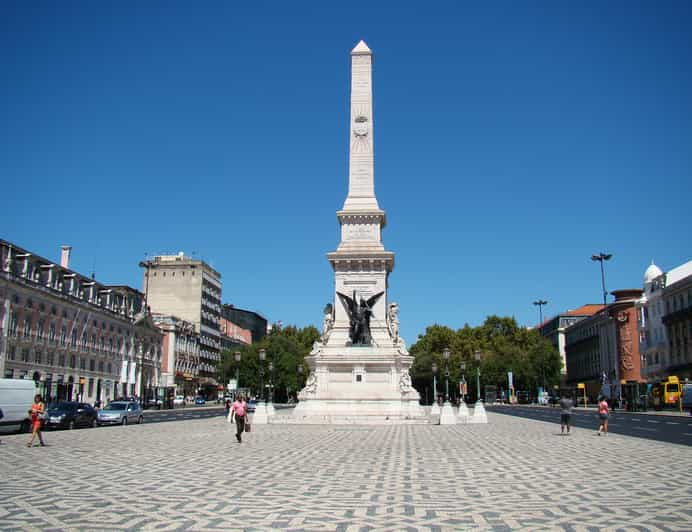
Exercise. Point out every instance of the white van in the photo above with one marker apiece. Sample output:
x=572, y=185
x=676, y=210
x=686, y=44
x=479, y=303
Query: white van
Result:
x=16, y=398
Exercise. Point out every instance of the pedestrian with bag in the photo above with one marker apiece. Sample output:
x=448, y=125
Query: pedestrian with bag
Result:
x=37, y=412
x=239, y=412
x=603, y=415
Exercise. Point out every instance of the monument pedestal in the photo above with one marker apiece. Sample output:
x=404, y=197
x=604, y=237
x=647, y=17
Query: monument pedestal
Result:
x=363, y=384
x=447, y=415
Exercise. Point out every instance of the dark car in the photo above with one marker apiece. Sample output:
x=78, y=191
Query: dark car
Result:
x=69, y=415
x=251, y=405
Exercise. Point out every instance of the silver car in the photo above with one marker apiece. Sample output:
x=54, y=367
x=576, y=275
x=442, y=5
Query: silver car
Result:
x=120, y=413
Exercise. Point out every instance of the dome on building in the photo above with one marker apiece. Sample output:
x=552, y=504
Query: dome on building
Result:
x=651, y=273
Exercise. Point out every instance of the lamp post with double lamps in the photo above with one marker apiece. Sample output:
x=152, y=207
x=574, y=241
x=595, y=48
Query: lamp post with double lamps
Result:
x=600, y=258
x=262, y=357
x=236, y=355
x=539, y=303
x=270, y=391
x=299, y=382
x=435, y=409
x=462, y=383
x=477, y=355
x=445, y=355
x=447, y=413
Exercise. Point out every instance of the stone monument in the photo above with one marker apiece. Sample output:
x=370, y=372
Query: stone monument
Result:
x=359, y=369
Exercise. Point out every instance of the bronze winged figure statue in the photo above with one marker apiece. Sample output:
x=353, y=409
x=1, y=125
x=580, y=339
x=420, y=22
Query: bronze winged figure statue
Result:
x=359, y=316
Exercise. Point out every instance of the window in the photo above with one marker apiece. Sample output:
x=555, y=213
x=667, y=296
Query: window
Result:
x=92, y=365
x=27, y=326
x=13, y=324
x=51, y=332
x=12, y=353
x=25, y=355
x=82, y=363
x=101, y=344
x=93, y=341
x=61, y=360
x=101, y=364
x=73, y=361
x=63, y=334
x=74, y=338
x=39, y=328
x=50, y=358
x=37, y=357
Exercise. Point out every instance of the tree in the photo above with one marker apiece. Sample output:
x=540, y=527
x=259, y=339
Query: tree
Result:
x=285, y=348
x=504, y=346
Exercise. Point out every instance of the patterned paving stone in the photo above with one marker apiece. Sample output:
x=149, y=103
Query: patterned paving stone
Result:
x=511, y=474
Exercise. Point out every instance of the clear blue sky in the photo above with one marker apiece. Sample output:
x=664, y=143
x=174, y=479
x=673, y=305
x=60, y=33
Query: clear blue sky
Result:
x=513, y=140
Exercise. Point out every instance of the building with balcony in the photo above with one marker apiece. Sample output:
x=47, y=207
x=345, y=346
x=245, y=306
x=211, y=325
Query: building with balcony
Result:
x=180, y=362
x=663, y=334
x=677, y=302
x=190, y=290
x=77, y=338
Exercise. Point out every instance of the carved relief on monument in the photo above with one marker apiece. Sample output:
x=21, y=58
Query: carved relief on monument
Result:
x=359, y=232
x=626, y=347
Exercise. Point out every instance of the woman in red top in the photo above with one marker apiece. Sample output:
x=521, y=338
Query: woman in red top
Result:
x=603, y=414
x=37, y=411
x=239, y=410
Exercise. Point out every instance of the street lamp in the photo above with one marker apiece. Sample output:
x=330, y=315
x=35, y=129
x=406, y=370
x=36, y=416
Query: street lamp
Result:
x=462, y=390
x=262, y=357
x=540, y=304
x=445, y=355
x=600, y=258
x=237, y=369
x=271, y=382
x=300, y=379
x=434, y=372
x=478, y=375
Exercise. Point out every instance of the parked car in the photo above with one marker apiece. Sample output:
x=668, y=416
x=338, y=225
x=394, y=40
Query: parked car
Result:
x=199, y=400
x=69, y=415
x=179, y=400
x=121, y=413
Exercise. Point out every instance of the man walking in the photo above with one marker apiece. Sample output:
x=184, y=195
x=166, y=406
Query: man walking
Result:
x=239, y=411
x=566, y=405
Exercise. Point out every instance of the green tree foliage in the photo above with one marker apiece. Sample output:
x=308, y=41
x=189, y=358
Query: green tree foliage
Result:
x=285, y=348
x=504, y=347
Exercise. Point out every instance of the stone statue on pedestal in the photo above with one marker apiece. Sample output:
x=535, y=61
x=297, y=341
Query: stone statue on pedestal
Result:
x=327, y=322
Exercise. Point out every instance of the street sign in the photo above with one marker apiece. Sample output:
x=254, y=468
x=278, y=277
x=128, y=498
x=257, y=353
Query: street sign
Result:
x=581, y=386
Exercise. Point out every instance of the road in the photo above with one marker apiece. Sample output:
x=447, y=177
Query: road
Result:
x=180, y=414
x=660, y=427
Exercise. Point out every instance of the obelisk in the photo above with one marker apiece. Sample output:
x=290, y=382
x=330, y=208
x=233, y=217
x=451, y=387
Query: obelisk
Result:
x=360, y=378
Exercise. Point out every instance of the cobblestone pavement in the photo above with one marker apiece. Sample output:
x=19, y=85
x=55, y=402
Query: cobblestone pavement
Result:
x=512, y=473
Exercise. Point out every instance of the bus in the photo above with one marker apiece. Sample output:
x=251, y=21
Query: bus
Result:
x=666, y=392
